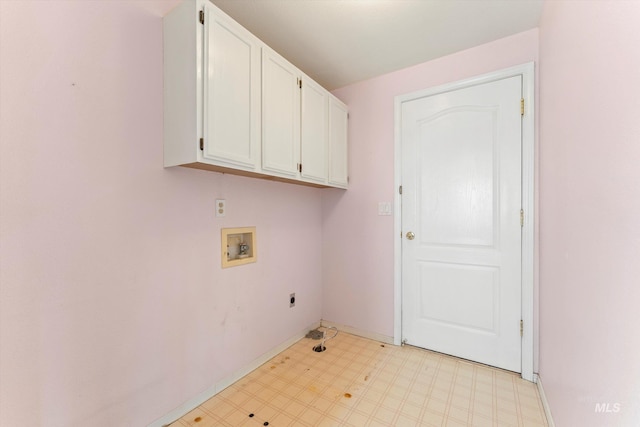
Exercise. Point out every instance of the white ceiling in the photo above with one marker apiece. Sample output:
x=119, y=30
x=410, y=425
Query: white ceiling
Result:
x=339, y=42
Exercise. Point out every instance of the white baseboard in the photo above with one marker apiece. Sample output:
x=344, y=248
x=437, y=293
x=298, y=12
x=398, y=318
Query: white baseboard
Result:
x=545, y=404
x=359, y=332
x=198, y=400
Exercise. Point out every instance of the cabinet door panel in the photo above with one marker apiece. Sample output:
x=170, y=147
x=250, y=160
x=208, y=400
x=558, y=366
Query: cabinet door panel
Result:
x=314, y=132
x=338, y=166
x=280, y=116
x=231, y=93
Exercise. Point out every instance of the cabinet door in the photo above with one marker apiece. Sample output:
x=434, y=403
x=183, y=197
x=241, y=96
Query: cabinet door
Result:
x=338, y=172
x=314, y=132
x=231, y=103
x=280, y=116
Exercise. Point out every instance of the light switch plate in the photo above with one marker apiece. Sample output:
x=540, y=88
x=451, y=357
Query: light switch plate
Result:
x=384, y=208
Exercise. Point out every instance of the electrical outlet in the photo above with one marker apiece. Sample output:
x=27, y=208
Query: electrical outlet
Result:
x=292, y=299
x=221, y=207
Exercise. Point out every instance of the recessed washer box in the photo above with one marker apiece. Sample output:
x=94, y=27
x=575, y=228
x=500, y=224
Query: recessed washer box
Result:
x=238, y=246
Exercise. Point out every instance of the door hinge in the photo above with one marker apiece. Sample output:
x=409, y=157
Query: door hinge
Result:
x=521, y=218
x=201, y=17
x=300, y=83
x=521, y=327
x=400, y=189
x=522, y=106
x=202, y=144
x=299, y=167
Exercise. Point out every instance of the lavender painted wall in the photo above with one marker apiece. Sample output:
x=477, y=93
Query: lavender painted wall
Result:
x=590, y=205
x=114, y=309
x=358, y=258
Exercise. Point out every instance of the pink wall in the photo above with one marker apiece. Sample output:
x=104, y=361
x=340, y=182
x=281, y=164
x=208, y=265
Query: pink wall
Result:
x=358, y=258
x=590, y=209
x=113, y=307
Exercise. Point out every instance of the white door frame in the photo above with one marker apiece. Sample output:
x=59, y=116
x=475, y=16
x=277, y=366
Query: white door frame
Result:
x=528, y=201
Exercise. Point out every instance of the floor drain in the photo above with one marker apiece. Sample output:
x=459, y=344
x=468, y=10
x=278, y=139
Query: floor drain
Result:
x=320, y=347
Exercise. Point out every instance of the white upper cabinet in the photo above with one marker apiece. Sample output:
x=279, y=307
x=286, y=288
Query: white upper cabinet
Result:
x=294, y=122
x=280, y=115
x=314, y=132
x=211, y=90
x=338, y=165
x=231, y=93
x=232, y=104
x=182, y=84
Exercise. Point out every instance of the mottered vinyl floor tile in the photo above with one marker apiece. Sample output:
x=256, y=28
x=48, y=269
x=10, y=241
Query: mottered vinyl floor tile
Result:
x=360, y=382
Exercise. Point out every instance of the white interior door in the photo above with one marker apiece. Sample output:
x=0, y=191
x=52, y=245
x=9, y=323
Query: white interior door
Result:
x=461, y=202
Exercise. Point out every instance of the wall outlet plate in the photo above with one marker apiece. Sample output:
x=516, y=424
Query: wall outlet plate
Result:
x=221, y=207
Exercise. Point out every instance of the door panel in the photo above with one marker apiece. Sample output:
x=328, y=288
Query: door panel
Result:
x=445, y=287
x=456, y=186
x=461, y=175
x=231, y=101
x=280, y=115
x=314, y=132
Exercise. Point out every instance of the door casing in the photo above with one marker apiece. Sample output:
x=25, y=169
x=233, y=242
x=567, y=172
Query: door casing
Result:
x=527, y=72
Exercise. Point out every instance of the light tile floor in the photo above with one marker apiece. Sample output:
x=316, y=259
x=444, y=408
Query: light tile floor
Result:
x=359, y=382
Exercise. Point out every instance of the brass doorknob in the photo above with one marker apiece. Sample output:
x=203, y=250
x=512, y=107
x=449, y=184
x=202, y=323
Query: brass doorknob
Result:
x=411, y=235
